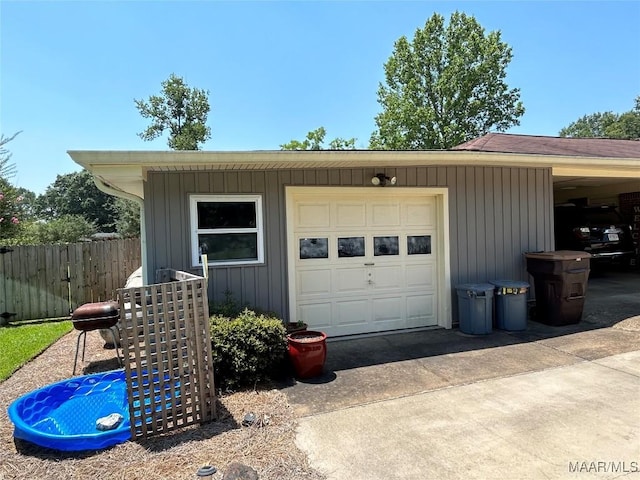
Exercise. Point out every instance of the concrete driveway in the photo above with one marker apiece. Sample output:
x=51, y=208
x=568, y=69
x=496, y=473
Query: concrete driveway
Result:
x=550, y=402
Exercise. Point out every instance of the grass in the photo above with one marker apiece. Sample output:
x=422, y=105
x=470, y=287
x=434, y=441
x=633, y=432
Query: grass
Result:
x=22, y=341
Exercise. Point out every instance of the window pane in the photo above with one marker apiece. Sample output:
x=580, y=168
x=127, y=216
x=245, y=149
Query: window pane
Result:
x=385, y=246
x=226, y=215
x=351, y=247
x=229, y=246
x=314, y=248
x=418, y=244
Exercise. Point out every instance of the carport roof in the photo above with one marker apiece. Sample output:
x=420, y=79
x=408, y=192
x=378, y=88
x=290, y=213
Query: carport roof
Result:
x=566, y=146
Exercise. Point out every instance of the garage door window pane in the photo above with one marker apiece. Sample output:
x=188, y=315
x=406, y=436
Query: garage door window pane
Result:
x=419, y=244
x=351, y=247
x=385, y=246
x=230, y=246
x=314, y=248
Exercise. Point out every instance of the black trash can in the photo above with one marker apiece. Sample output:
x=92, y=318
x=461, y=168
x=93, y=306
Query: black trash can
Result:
x=475, y=308
x=560, y=279
x=511, y=304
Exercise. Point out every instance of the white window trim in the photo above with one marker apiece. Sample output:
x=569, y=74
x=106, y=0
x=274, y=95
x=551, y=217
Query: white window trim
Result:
x=259, y=228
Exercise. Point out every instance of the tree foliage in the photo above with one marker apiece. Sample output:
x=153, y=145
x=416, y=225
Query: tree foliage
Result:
x=607, y=125
x=63, y=229
x=7, y=169
x=28, y=208
x=179, y=109
x=127, y=218
x=12, y=210
x=71, y=209
x=315, y=141
x=445, y=87
x=77, y=194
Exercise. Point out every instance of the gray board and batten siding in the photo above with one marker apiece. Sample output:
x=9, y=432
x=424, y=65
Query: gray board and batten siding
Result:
x=495, y=214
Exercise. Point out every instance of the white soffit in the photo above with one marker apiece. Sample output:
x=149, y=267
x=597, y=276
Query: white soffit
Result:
x=127, y=170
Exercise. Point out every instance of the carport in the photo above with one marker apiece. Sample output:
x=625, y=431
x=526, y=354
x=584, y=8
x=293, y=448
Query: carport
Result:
x=589, y=171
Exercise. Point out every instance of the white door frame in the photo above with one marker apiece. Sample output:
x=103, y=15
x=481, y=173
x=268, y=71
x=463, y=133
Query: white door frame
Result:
x=442, y=231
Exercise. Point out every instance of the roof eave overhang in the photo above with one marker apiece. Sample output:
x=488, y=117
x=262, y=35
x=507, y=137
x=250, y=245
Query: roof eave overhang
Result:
x=127, y=170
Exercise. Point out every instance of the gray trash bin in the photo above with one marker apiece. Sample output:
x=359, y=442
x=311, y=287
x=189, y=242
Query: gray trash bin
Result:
x=511, y=304
x=475, y=308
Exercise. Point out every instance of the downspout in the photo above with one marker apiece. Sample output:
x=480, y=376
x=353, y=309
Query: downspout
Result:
x=143, y=228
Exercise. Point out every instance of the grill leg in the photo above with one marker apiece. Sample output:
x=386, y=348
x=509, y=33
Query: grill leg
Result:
x=84, y=344
x=115, y=345
x=75, y=360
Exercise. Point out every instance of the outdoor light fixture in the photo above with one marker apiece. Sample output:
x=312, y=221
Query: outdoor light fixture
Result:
x=380, y=179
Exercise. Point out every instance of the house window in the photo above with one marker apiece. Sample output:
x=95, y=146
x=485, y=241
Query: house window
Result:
x=228, y=228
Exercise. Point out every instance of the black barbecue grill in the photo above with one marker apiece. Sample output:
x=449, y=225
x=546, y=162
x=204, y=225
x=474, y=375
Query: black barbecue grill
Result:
x=95, y=316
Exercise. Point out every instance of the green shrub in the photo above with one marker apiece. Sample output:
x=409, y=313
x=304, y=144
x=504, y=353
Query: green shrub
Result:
x=231, y=308
x=246, y=349
x=228, y=307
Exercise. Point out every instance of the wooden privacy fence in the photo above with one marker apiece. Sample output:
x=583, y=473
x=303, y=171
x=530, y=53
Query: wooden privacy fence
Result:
x=45, y=281
x=166, y=344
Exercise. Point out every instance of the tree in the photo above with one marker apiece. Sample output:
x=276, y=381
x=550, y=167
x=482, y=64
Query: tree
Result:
x=63, y=229
x=77, y=194
x=315, y=141
x=11, y=208
x=339, y=143
x=28, y=209
x=445, y=87
x=181, y=110
x=7, y=170
x=127, y=218
x=607, y=125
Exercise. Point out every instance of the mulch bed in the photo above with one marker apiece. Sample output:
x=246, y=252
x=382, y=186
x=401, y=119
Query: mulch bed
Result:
x=270, y=449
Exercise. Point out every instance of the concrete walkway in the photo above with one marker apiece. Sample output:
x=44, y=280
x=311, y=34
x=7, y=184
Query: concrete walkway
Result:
x=550, y=402
x=581, y=418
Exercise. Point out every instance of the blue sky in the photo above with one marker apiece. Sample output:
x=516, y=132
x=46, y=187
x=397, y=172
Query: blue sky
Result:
x=69, y=71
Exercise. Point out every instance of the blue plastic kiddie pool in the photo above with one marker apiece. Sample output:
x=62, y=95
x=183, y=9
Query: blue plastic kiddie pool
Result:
x=63, y=415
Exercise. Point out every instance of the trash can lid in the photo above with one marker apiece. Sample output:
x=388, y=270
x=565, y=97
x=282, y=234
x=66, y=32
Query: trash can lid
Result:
x=558, y=255
x=475, y=287
x=509, y=284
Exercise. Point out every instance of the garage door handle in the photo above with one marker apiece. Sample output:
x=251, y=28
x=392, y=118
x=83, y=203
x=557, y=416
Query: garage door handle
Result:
x=371, y=264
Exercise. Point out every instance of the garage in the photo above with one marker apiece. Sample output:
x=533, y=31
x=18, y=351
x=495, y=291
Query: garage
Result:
x=325, y=241
x=366, y=260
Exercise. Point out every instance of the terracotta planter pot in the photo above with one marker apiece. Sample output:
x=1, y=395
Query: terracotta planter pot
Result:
x=308, y=352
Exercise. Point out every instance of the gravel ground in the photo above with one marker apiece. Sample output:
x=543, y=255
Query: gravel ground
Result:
x=269, y=449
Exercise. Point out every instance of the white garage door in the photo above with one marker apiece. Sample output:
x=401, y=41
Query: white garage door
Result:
x=363, y=260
